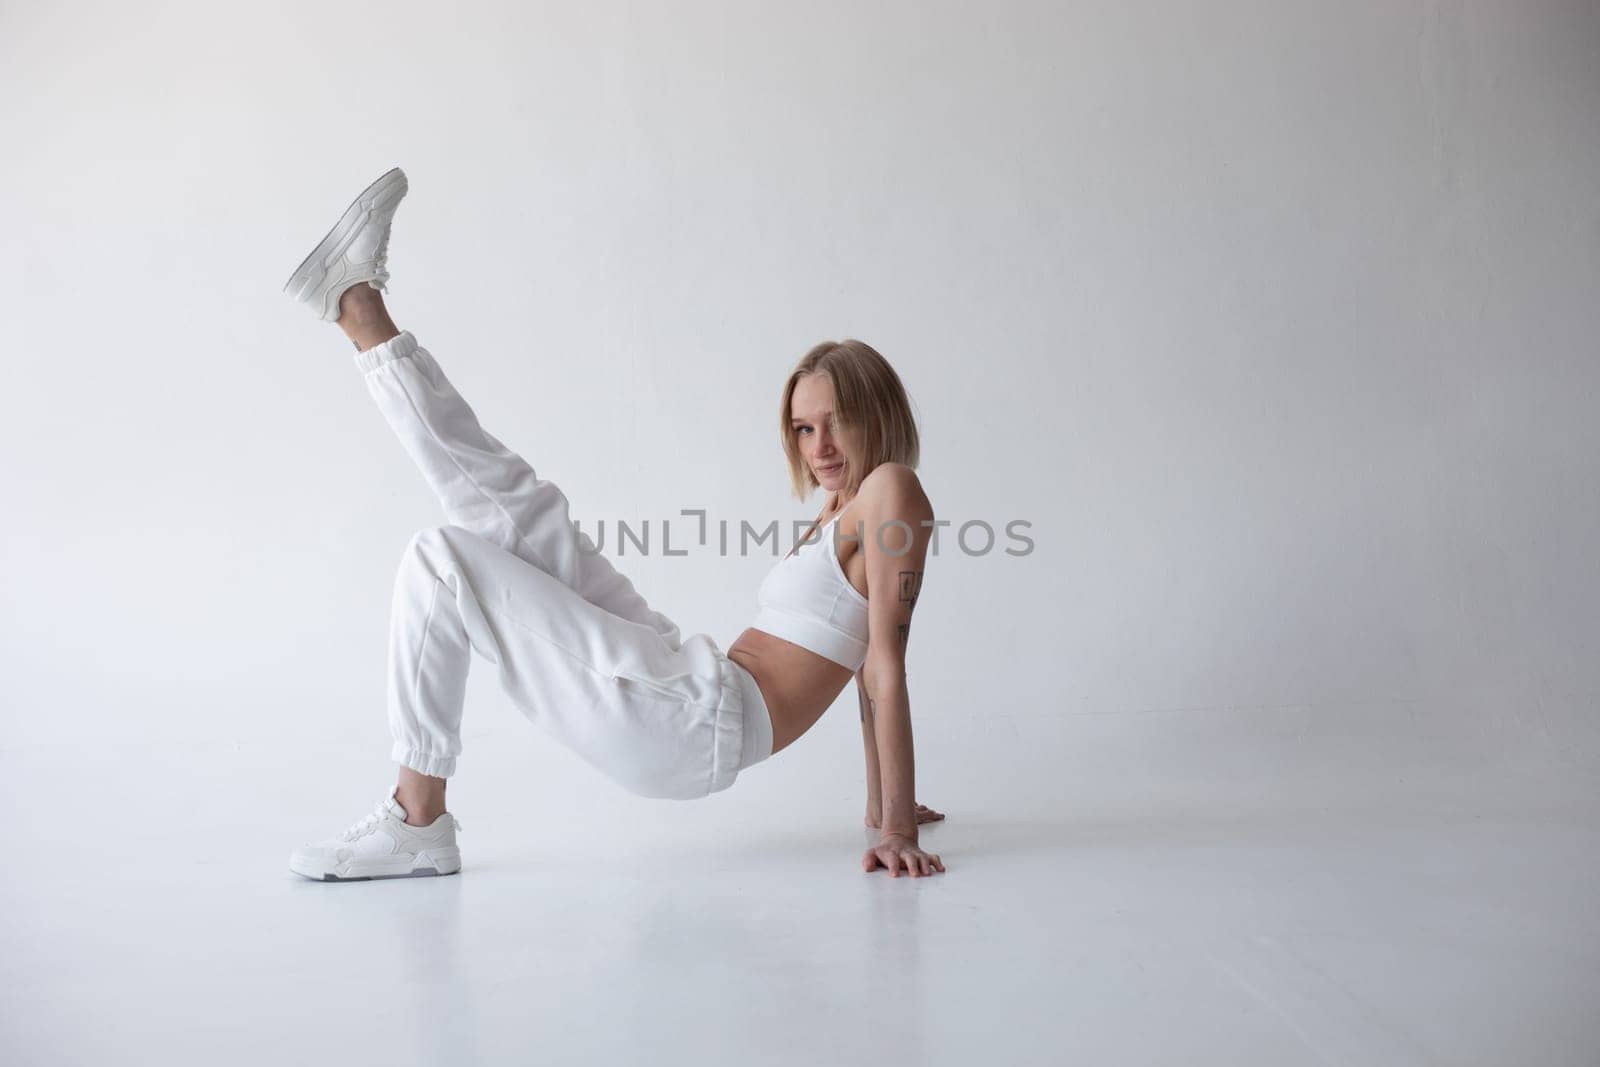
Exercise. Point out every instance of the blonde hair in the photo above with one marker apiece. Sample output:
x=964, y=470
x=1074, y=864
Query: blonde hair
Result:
x=871, y=412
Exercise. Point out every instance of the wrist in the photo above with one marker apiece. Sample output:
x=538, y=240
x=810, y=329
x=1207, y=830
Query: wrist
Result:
x=909, y=833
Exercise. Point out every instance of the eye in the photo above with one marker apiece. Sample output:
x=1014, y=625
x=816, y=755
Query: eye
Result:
x=801, y=429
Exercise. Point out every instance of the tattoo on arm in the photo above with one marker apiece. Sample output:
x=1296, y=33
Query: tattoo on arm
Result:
x=910, y=588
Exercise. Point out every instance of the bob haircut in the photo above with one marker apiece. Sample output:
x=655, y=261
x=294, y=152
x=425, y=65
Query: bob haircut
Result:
x=871, y=413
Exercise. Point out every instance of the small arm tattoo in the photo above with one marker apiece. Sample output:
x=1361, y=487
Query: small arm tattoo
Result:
x=910, y=587
x=903, y=631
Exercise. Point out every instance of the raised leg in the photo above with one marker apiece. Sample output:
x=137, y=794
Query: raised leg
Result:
x=483, y=485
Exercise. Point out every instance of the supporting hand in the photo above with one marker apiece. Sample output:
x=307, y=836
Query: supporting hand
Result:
x=895, y=851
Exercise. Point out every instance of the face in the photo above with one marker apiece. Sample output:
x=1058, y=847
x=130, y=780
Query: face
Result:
x=811, y=419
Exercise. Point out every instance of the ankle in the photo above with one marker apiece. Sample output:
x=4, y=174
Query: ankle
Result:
x=361, y=303
x=419, y=811
x=364, y=318
x=421, y=795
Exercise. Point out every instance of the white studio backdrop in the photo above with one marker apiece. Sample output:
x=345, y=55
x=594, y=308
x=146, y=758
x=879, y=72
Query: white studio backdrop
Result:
x=1275, y=321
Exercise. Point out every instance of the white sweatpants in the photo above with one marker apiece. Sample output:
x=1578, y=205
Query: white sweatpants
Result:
x=510, y=578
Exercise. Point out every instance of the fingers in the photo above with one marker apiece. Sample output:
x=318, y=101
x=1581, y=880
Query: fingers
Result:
x=881, y=857
x=916, y=862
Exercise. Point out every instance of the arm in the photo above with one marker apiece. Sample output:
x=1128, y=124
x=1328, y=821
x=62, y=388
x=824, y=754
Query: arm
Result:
x=869, y=742
x=896, y=534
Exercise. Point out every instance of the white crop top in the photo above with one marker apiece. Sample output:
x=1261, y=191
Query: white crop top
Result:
x=808, y=600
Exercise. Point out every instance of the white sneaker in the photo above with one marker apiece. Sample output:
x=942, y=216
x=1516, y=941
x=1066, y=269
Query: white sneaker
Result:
x=382, y=845
x=356, y=250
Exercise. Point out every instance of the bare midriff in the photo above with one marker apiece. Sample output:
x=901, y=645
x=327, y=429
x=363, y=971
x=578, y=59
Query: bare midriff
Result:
x=798, y=684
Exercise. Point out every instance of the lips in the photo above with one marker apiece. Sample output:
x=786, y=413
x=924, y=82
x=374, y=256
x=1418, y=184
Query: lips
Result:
x=831, y=470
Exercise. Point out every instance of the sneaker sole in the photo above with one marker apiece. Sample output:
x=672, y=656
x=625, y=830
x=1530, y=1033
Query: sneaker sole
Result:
x=438, y=862
x=424, y=873
x=314, y=268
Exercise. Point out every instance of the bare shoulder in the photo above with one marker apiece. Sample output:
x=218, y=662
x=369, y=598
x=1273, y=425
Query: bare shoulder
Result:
x=893, y=486
x=892, y=492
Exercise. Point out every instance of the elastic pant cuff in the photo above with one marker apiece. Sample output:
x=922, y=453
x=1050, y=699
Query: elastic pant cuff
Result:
x=397, y=347
x=422, y=762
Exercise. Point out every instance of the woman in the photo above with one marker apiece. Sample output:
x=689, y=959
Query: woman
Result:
x=578, y=649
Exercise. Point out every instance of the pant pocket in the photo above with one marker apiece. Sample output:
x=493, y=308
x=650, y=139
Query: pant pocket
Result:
x=646, y=685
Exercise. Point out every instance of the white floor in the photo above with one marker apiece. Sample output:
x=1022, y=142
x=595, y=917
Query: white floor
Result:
x=1148, y=899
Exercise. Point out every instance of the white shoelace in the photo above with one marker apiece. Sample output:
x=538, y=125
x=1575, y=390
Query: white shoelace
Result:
x=365, y=825
x=368, y=823
x=381, y=259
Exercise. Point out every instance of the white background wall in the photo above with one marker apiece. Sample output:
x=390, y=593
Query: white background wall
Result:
x=1277, y=321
